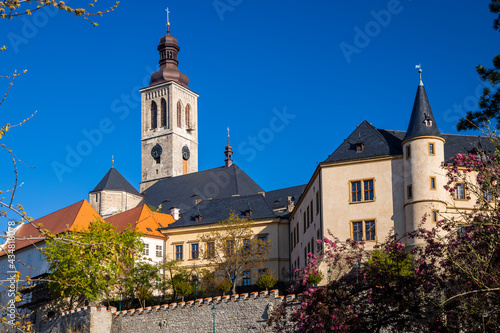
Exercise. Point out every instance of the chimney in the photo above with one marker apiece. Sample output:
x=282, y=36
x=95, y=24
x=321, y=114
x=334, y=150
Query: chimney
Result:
x=175, y=213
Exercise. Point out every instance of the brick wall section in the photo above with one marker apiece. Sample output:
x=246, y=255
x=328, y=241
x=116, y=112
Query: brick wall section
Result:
x=236, y=313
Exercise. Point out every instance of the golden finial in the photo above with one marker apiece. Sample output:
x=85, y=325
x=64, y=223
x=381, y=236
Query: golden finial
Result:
x=112, y=161
x=228, y=136
x=419, y=67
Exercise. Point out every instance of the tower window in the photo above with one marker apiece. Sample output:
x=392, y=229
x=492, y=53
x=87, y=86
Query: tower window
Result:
x=164, y=118
x=409, y=192
x=434, y=216
x=433, y=183
x=427, y=120
x=154, y=115
x=179, y=114
x=188, y=116
x=408, y=152
x=431, y=149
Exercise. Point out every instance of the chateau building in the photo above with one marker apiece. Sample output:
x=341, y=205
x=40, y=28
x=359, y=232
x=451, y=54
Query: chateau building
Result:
x=379, y=182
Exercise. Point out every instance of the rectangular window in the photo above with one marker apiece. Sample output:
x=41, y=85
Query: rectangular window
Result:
x=210, y=249
x=298, y=234
x=312, y=207
x=308, y=217
x=431, y=149
x=318, y=237
x=305, y=221
x=363, y=230
x=305, y=254
x=262, y=271
x=362, y=190
x=317, y=202
x=246, y=278
x=368, y=190
x=263, y=238
x=409, y=192
x=229, y=247
x=459, y=191
x=434, y=216
x=355, y=191
x=433, y=183
x=146, y=250
x=487, y=195
x=178, y=252
x=408, y=152
x=159, y=251
x=298, y=262
x=195, y=251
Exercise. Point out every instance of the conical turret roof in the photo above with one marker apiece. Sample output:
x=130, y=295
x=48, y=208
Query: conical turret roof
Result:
x=422, y=122
x=113, y=180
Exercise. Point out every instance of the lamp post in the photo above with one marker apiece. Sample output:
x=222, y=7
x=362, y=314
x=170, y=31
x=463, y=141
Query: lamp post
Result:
x=329, y=275
x=196, y=286
x=120, y=307
x=213, y=313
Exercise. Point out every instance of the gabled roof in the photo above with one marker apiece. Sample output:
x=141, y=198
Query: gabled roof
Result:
x=391, y=144
x=75, y=217
x=183, y=191
x=113, y=180
x=217, y=210
x=143, y=219
x=375, y=143
x=422, y=122
x=278, y=199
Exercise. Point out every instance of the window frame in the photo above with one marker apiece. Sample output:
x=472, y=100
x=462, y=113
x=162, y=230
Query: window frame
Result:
x=145, y=252
x=362, y=190
x=464, y=192
x=159, y=249
x=434, y=216
x=408, y=152
x=210, y=249
x=195, y=254
x=432, y=151
x=247, y=278
x=364, y=230
x=179, y=252
x=409, y=192
x=432, y=181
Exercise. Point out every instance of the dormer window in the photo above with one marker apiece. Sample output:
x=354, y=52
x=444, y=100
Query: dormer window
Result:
x=198, y=218
x=359, y=147
x=427, y=120
x=248, y=213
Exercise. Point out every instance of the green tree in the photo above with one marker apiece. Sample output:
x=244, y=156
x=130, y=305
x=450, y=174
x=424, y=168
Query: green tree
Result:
x=489, y=104
x=140, y=281
x=234, y=248
x=86, y=265
x=266, y=281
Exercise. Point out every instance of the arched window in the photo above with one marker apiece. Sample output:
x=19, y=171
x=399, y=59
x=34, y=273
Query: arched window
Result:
x=163, y=113
x=154, y=115
x=188, y=116
x=179, y=114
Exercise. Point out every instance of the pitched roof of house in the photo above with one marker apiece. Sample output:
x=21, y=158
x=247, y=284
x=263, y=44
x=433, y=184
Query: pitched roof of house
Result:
x=183, y=191
x=113, y=180
x=143, y=219
x=380, y=143
x=422, y=122
x=217, y=210
x=75, y=217
x=278, y=199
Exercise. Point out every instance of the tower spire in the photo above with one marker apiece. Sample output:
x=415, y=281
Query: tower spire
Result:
x=228, y=153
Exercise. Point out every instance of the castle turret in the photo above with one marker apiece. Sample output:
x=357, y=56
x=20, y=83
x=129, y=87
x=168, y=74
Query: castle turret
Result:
x=424, y=178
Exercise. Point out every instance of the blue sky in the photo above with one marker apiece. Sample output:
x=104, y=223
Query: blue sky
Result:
x=326, y=65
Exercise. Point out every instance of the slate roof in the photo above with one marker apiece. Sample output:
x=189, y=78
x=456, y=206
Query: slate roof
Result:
x=421, y=111
x=113, y=180
x=75, y=217
x=217, y=210
x=183, y=191
x=278, y=199
x=380, y=143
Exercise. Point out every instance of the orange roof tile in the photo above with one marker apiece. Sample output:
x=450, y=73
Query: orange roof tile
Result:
x=143, y=219
x=75, y=217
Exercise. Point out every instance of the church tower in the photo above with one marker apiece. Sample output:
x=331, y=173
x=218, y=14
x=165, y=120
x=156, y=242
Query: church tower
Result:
x=169, y=126
x=424, y=178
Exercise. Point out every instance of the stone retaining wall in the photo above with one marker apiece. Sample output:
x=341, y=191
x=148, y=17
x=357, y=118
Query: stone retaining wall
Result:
x=236, y=313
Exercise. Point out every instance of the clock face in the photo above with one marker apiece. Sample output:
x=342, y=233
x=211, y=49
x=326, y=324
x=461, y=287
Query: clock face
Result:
x=185, y=153
x=156, y=151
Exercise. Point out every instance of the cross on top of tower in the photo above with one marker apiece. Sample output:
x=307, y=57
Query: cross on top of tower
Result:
x=168, y=19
